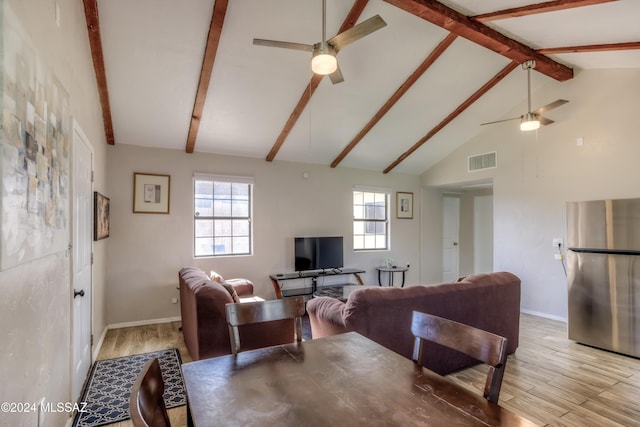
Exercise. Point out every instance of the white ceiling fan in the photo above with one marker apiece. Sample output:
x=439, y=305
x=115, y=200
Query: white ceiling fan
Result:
x=532, y=120
x=324, y=59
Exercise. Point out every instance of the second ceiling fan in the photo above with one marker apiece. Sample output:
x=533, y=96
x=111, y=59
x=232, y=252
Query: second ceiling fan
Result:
x=324, y=59
x=532, y=120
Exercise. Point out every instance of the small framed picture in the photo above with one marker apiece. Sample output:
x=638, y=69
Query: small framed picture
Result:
x=151, y=193
x=404, y=205
x=100, y=216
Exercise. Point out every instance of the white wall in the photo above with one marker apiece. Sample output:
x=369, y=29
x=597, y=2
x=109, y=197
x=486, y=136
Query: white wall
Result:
x=146, y=251
x=35, y=308
x=538, y=172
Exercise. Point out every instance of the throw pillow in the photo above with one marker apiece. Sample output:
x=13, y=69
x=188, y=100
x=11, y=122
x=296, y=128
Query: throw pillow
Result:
x=232, y=291
x=215, y=277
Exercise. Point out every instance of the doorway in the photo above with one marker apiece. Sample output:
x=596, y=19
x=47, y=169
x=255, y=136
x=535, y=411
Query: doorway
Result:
x=81, y=277
x=483, y=234
x=450, y=236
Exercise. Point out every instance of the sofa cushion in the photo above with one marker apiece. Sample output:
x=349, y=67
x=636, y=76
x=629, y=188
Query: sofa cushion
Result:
x=231, y=290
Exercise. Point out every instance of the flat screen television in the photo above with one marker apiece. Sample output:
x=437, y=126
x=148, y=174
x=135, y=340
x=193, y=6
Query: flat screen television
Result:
x=318, y=253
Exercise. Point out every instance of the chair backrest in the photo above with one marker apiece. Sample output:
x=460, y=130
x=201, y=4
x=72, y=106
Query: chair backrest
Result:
x=146, y=404
x=477, y=343
x=263, y=311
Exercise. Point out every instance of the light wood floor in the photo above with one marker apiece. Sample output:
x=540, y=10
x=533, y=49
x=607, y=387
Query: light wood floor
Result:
x=550, y=380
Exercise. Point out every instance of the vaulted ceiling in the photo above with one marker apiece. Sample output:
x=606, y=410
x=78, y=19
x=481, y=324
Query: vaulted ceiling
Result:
x=186, y=75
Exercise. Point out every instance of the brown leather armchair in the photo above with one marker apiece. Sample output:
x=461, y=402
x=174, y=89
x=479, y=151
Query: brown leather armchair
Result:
x=204, y=323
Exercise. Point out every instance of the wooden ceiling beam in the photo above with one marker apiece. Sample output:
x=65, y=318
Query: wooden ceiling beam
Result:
x=532, y=9
x=466, y=104
x=349, y=22
x=591, y=48
x=477, y=32
x=399, y=93
x=95, y=43
x=213, y=40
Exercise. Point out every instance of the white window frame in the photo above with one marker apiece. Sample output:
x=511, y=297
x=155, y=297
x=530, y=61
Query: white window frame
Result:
x=197, y=217
x=362, y=234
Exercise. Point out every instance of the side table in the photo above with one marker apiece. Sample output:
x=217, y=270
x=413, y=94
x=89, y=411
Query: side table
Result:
x=390, y=272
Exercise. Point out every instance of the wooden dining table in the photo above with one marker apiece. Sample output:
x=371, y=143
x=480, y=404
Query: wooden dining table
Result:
x=342, y=380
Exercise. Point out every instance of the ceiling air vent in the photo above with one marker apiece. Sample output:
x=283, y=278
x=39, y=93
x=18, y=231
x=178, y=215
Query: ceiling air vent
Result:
x=482, y=161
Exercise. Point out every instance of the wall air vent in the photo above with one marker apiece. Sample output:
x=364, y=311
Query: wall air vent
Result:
x=482, y=161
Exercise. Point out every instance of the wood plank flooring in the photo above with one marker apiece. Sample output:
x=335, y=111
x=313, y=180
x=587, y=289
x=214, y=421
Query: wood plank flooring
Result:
x=556, y=382
x=550, y=380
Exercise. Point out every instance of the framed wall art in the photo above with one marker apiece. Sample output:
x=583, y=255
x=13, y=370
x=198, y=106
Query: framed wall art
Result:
x=151, y=193
x=100, y=216
x=404, y=205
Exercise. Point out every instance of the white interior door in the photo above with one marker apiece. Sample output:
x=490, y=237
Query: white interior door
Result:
x=450, y=235
x=483, y=234
x=81, y=259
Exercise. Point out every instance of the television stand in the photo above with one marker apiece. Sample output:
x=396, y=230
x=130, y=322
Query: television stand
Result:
x=313, y=275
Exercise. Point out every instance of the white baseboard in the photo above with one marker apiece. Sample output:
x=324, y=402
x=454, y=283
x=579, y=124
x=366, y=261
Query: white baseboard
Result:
x=98, y=345
x=144, y=322
x=545, y=315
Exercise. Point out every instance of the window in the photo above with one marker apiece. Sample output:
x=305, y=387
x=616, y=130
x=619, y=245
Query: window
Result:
x=370, y=219
x=222, y=215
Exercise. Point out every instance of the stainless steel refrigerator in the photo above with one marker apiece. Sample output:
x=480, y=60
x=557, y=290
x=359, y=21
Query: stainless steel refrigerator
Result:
x=603, y=260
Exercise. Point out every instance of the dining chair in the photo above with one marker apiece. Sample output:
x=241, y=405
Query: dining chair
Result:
x=146, y=404
x=263, y=311
x=477, y=343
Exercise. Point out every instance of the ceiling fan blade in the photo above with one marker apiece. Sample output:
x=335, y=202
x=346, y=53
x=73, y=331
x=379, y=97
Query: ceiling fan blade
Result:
x=500, y=121
x=545, y=121
x=554, y=104
x=357, y=32
x=284, y=45
x=336, y=76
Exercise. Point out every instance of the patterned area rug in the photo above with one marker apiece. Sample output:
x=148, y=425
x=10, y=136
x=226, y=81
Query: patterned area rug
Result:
x=107, y=392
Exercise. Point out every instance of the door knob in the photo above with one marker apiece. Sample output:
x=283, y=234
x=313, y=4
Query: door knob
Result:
x=455, y=243
x=76, y=293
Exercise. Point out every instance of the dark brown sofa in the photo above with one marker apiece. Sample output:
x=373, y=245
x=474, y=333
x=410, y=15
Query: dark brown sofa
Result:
x=204, y=325
x=486, y=301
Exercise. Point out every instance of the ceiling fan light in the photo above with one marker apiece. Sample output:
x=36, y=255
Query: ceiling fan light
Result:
x=529, y=122
x=324, y=63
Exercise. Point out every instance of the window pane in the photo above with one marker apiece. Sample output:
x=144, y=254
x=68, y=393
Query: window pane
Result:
x=240, y=191
x=221, y=207
x=222, y=190
x=204, y=228
x=222, y=245
x=240, y=208
x=204, y=247
x=222, y=227
x=370, y=241
x=358, y=212
x=240, y=227
x=241, y=245
x=358, y=198
x=204, y=207
x=358, y=242
x=204, y=189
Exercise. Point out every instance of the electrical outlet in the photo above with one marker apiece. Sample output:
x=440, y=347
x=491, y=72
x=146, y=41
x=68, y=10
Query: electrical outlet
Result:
x=557, y=241
x=174, y=300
